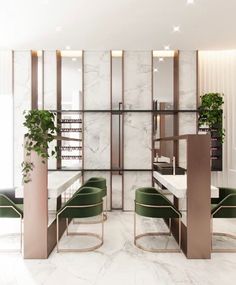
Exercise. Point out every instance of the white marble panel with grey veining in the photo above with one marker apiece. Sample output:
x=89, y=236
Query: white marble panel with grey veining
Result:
x=187, y=98
x=22, y=102
x=137, y=80
x=97, y=131
x=97, y=80
x=137, y=126
x=137, y=140
x=132, y=181
x=50, y=93
x=97, y=141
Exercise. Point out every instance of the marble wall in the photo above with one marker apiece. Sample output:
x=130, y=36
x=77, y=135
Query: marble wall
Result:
x=187, y=98
x=137, y=126
x=22, y=102
x=97, y=96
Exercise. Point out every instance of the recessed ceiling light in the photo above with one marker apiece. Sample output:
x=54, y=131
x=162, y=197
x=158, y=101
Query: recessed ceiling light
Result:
x=58, y=28
x=190, y=1
x=68, y=47
x=176, y=29
x=74, y=59
x=161, y=59
x=166, y=47
x=155, y=70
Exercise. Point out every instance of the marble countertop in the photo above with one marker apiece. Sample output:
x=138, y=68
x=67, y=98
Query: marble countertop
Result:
x=58, y=182
x=177, y=184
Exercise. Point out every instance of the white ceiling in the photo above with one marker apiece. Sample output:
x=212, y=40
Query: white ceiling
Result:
x=117, y=24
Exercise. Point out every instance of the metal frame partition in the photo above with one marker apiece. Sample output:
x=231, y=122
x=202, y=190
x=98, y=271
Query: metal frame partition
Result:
x=196, y=234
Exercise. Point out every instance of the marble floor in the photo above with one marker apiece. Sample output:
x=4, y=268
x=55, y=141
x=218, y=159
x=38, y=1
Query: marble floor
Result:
x=117, y=261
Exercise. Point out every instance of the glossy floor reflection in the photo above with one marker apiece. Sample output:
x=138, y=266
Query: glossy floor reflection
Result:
x=117, y=261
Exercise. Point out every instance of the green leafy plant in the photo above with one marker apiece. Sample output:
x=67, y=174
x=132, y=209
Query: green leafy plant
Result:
x=211, y=113
x=41, y=131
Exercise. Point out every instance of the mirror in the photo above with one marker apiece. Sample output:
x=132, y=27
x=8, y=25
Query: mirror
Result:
x=163, y=96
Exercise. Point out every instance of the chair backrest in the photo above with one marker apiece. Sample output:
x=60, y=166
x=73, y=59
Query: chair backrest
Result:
x=226, y=208
x=97, y=182
x=86, y=203
x=151, y=203
x=8, y=209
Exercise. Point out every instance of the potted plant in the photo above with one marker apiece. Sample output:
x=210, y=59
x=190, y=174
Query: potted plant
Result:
x=41, y=130
x=211, y=114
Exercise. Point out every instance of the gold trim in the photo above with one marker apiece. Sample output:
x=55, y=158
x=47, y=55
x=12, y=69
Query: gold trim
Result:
x=223, y=250
x=99, y=237
x=20, y=215
x=93, y=222
x=136, y=237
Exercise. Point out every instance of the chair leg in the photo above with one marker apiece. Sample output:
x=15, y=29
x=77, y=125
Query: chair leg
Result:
x=134, y=227
x=67, y=225
x=136, y=237
x=57, y=234
x=21, y=235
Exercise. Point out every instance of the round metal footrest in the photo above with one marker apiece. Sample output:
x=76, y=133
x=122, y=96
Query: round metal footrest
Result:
x=153, y=249
x=91, y=248
x=90, y=222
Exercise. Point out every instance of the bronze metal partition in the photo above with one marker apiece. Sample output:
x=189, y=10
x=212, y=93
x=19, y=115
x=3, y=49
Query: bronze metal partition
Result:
x=196, y=234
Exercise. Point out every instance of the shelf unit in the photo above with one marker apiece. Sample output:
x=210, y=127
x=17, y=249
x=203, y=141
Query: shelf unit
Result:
x=71, y=124
x=216, y=148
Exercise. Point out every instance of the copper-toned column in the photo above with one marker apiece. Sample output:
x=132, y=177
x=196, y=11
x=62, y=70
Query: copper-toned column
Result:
x=36, y=211
x=198, y=197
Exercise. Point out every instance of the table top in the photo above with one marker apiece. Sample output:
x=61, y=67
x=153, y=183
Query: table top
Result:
x=177, y=184
x=58, y=182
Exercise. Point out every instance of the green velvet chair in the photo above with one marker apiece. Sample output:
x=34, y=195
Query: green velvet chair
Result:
x=224, y=207
x=85, y=204
x=97, y=182
x=11, y=207
x=152, y=204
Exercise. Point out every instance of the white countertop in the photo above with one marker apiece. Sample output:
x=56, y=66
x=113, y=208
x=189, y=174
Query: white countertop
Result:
x=177, y=184
x=58, y=182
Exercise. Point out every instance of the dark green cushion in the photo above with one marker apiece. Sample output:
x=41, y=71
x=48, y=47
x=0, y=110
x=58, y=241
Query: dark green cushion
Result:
x=88, y=196
x=97, y=182
x=226, y=203
x=12, y=211
x=149, y=196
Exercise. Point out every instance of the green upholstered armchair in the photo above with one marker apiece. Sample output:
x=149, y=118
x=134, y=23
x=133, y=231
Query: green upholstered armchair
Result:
x=11, y=207
x=97, y=182
x=152, y=204
x=86, y=203
x=224, y=207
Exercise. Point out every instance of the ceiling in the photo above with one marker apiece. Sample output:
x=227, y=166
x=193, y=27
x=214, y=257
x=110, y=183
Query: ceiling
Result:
x=117, y=24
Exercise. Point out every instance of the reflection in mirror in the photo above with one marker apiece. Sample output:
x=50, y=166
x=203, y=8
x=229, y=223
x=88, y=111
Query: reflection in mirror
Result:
x=117, y=128
x=163, y=96
x=71, y=99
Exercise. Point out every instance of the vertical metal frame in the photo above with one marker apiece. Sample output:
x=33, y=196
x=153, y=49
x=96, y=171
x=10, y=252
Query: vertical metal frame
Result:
x=34, y=80
x=123, y=129
x=176, y=105
x=110, y=132
x=82, y=107
x=43, y=87
x=152, y=135
x=58, y=94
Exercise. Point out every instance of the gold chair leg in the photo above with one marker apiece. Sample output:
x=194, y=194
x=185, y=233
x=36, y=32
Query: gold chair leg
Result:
x=136, y=237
